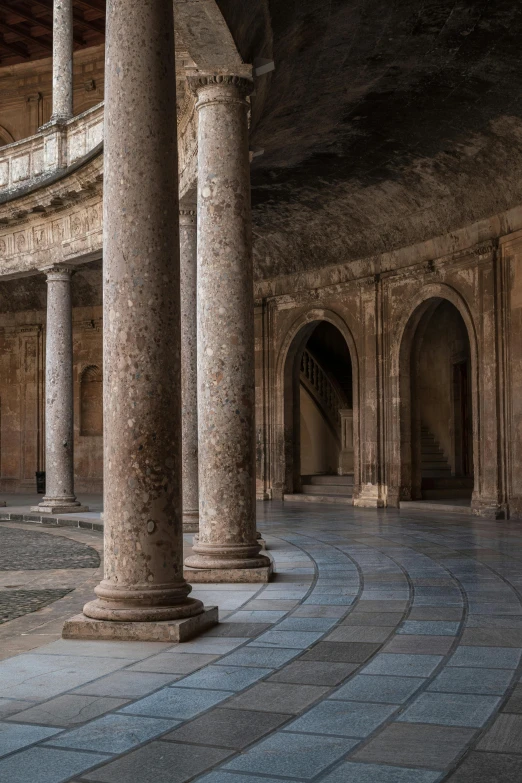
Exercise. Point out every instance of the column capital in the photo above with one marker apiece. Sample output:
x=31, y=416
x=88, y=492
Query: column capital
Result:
x=58, y=272
x=220, y=88
x=188, y=215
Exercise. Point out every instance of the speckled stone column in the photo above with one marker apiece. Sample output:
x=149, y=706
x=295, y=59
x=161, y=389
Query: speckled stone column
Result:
x=227, y=518
x=143, y=591
x=62, y=60
x=189, y=381
x=59, y=417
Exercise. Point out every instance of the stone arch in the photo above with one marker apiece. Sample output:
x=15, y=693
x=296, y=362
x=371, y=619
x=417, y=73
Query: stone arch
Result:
x=91, y=401
x=406, y=439
x=5, y=137
x=287, y=442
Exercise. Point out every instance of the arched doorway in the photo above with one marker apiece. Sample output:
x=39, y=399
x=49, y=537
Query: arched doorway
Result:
x=320, y=408
x=437, y=417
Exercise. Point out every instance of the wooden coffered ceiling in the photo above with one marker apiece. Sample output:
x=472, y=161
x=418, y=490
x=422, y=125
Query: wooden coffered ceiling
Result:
x=26, y=28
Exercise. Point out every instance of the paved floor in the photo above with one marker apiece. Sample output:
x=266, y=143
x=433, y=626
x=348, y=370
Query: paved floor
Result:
x=387, y=650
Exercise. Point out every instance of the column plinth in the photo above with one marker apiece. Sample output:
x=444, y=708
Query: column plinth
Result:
x=62, y=60
x=143, y=594
x=59, y=495
x=189, y=381
x=227, y=547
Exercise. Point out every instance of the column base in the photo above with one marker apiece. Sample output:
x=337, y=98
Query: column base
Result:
x=370, y=496
x=259, y=540
x=190, y=521
x=69, y=508
x=82, y=627
x=261, y=575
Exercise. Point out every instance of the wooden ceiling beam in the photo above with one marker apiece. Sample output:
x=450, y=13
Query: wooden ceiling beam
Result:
x=95, y=5
x=34, y=20
x=17, y=49
x=78, y=18
x=9, y=28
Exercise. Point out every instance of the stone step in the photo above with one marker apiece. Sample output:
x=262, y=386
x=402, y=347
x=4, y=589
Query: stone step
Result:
x=436, y=473
x=329, y=489
x=324, y=480
x=435, y=494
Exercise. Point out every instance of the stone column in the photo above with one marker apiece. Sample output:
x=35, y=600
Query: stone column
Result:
x=189, y=383
x=62, y=60
x=59, y=416
x=227, y=549
x=143, y=594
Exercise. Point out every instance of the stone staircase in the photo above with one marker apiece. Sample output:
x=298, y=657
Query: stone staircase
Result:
x=437, y=479
x=328, y=486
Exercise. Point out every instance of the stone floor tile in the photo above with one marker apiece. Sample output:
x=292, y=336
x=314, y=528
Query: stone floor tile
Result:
x=403, y=665
x=412, y=744
x=355, y=633
x=435, y=613
x=173, y=663
x=224, y=678
x=490, y=637
x=313, y=610
x=246, y=630
x=321, y=624
x=373, y=619
x=301, y=756
x=451, y=709
x=487, y=657
x=505, y=735
x=270, y=604
x=226, y=728
x=101, y=649
x=420, y=645
x=14, y=736
x=378, y=773
x=483, y=621
x=318, y=599
x=514, y=703
x=465, y=680
x=46, y=765
x=381, y=606
x=341, y=652
x=68, y=710
x=287, y=639
x=342, y=718
x=264, y=657
x=113, y=733
x=380, y=689
x=256, y=616
x=12, y=706
x=225, y=776
x=429, y=628
x=38, y=677
x=489, y=768
x=180, y=703
x=159, y=762
x=129, y=684
x=314, y=673
x=214, y=645
x=278, y=697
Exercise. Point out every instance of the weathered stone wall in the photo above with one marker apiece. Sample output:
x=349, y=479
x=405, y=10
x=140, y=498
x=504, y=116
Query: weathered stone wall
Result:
x=378, y=316
x=22, y=399
x=26, y=92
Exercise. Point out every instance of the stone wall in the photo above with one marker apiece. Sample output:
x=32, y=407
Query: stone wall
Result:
x=22, y=399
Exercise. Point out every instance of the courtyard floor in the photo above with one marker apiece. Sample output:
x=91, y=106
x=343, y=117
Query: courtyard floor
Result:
x=386, y=650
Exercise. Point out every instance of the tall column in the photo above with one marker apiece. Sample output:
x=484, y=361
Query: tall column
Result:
x=62, y=60
x=189, y=382
x=143, y=594
x=227, y=549
x=59, y=416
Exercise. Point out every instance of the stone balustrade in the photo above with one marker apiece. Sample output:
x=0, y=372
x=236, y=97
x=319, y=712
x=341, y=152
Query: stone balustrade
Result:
x=56, y=146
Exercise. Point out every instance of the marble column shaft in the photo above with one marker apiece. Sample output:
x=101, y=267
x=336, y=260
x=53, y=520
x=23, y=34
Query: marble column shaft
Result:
x=59, y=413
x=226, y=405
x=143, y=579
x=189, y=381
x=62, y=60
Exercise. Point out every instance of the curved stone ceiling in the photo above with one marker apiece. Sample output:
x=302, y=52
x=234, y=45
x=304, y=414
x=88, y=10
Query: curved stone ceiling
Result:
x=385, y=123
